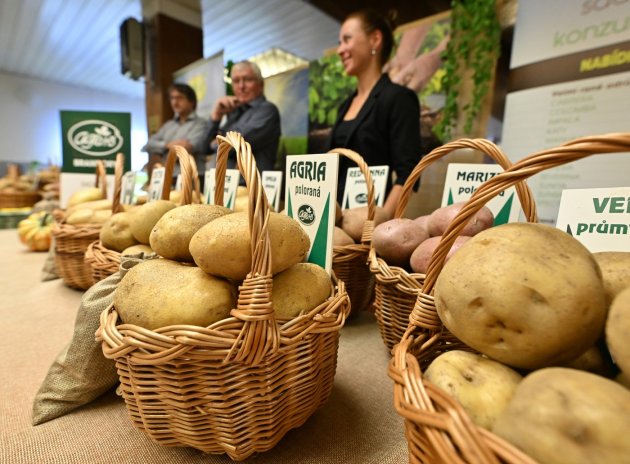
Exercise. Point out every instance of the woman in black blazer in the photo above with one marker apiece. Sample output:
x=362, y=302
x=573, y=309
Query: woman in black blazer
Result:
x=381, y=120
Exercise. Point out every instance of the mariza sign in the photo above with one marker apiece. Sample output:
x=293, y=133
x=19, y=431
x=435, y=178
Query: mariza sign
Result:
x=311, y=198
x=598, y=218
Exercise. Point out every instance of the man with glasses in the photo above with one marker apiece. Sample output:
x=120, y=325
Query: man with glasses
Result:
x=249, y=113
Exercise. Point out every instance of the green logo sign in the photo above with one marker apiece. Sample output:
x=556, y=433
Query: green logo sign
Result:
x=306, y=215
x=95, y=138
x=90, y=136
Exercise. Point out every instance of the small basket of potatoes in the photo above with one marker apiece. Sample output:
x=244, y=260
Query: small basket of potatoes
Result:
x=401, y=247
x=76, y=227
x=226, y=339
x=517, y=347
x=128, y=229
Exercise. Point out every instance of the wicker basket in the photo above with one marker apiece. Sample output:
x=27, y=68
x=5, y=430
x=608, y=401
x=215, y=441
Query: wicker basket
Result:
x=19, y=199
x=239, y=385
x=436, y=427
x=396, y=289
x=105, y=262
x=71, y=242
x=350, y=261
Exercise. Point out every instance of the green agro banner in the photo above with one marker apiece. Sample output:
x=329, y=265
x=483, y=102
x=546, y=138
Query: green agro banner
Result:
x=89, y=136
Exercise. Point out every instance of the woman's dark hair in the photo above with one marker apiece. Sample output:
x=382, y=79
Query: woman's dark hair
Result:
x=374, y=21
x=186, y=91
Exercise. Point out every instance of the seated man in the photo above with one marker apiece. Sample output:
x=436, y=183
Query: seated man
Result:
x=249, y=113
x=185, y=129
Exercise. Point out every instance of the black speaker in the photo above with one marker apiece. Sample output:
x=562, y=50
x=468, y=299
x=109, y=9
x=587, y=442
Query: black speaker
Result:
x=132, y=48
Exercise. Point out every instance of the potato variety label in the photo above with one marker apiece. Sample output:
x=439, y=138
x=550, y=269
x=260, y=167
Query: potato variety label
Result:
x=232, y=177
x=311, y=192
x=463, y=179
x=599, y=218
x=355, y=193
x=272, y=183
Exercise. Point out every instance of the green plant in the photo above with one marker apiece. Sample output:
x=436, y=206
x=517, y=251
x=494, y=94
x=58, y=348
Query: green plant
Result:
x=474, y=45
x=328, y=86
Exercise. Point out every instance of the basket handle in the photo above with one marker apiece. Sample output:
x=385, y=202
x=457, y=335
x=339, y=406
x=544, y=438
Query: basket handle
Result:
x=118, y=175
x=259, y=335
x=188, y=170
x=101, y=177
x=482, y=145
x=368, y=225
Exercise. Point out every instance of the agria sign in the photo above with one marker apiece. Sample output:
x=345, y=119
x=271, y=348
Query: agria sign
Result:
x=94, y=137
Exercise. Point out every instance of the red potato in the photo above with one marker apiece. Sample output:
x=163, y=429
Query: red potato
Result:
x=421, y=257
x=440, y=219
x=340, y=238
x=423, y=222
x=395, y=240
x=354, y=218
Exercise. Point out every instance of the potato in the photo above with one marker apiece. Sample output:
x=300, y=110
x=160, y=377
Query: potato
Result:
x=171, y=235
x=301, y=288
x=160, y=292
x=340, y=238
x=338, y=214
x=84, y=195
x=421, y=256
x=92, y=205
x=241, y=203
x=560, y=415
x=527, y=295
x=440, y=219
x=615, y=267
x=222, y=247
x=423, y=222
x=115, y=233
x=353, y=219
x=146, y=216
x=483, y=387
x=395, y=240
x=136, y=249
x=618, y=331
x=623, y=379
x=595, y=360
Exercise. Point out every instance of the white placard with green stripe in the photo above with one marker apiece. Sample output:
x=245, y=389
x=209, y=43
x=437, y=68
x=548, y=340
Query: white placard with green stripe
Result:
x=272, y=183
x=311, y=196
x=355, y=193
x=157, y=184
x=232, y=177
x=599, y=218
x=128, y=188
x=462, y=179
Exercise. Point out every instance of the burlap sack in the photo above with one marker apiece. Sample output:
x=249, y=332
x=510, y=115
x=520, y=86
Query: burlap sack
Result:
x=49, y=271
x=81, y=373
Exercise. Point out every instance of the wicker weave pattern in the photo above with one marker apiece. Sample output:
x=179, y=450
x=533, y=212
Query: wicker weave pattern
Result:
x=239, y=385
x=18, y=199
x=396, y=289
x=350, y=262
x=105, y=262
x=71, y=242
x=436, y=427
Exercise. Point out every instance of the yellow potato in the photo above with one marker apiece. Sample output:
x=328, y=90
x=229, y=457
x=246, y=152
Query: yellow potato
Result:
x=160, y=292
x=353, y=219
x=527, y=295
x=618, y=331
x=223, y=246
x=615, y=266
x=560, y=416
x=483, y=387
x=171, y=235
x=146, y=216
x=84, y=195
x=301, y=288
x=115, y=233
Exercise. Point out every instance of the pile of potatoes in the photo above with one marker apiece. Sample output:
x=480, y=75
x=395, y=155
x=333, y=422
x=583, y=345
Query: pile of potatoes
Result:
x=409, y=243
x=203, y=255
x=550, y=323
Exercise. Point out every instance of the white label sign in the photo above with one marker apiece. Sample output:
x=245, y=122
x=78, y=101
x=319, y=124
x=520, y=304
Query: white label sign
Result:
x=128, y=187
x=463, y=179
x=598, y=218
x=272, y=183
x=157, y=184
x=232, y=177
x=355, y=193
x=311, y=192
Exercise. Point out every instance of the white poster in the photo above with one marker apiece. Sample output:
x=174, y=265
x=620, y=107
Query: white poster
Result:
x=570, y=78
